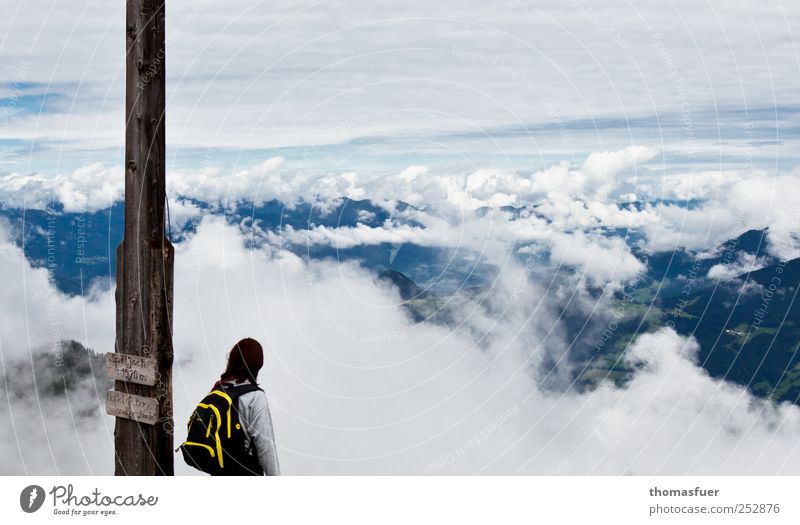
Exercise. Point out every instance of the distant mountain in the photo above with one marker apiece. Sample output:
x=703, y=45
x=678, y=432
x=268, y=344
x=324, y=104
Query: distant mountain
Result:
x=422, y=305
x=81, y=247
x=76, y=247
x=72, y=367
x=748, y=329
x=671, y=269
x=408, y=289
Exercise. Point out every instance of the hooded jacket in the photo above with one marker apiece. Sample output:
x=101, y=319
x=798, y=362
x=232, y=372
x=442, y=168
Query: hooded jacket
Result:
x=256, y=422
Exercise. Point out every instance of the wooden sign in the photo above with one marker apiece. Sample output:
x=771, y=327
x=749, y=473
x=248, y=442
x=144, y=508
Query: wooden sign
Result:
x=130, y=406
x=131, y=368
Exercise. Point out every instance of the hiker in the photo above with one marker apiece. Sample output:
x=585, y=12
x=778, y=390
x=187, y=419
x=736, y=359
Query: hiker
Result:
x=244, y=362
x=230, y=432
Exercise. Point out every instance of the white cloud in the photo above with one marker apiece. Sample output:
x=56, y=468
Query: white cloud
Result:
x=356, y=388
x=700, y=185
x=234, y=80
x=564, y=197
x=599, y=168
x=600, y=259
x=560, y=199
x=766, y=202
x=38, y=314
x=181, y=212
x=744, y=263
x=90, y=188
x=748, y=201
x=48, y=434
x=256, y=184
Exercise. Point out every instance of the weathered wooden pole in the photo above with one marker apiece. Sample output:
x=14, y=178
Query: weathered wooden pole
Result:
x=145, y=257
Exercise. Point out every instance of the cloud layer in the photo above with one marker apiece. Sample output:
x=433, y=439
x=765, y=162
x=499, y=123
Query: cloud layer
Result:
x=568, y=209
x=356, y=387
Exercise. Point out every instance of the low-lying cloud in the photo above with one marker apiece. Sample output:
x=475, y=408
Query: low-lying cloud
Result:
x=356, y=387
x=609, y=191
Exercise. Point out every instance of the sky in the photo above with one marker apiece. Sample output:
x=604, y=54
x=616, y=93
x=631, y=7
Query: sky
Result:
x=372, y=86
x=574, y=109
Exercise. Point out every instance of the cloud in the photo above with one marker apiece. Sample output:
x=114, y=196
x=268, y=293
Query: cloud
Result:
x=765, y=202
x=744, y=263
x=257, y=184
x=739, y=203
x=483, y=210
x=599, y=168
x=695, y=185
x=467, y=90
x=355, y=387
x=600, y=259
x=674, y=419
x=37, y=314
x=90, y=188
x=55, y=427
x=49, y=433
x=608, y=191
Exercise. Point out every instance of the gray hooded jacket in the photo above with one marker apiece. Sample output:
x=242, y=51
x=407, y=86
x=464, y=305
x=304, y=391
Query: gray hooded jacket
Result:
x=257, y=425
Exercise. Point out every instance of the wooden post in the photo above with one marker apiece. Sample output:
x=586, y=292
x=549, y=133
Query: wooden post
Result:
x=145, y=257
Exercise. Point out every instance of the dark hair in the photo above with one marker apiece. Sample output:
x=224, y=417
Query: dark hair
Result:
x=244, y=361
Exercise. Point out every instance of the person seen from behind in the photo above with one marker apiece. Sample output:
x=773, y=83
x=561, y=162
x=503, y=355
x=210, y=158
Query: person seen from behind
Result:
x=244, y=362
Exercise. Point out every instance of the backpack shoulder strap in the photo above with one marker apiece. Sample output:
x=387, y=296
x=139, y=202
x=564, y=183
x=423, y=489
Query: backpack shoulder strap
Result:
x=235, y=391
